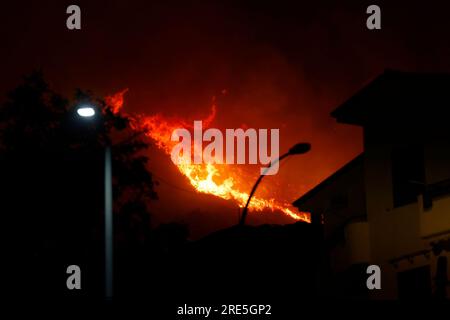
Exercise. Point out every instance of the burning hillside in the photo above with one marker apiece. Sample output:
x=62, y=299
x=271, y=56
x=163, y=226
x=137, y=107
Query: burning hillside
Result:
x=226, y=181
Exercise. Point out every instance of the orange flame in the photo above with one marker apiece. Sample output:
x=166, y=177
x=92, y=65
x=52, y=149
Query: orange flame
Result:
x=115, y=101
x=215, y=179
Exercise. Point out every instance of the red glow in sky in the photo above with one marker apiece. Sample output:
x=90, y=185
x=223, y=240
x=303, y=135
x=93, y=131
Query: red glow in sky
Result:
x=269, y=66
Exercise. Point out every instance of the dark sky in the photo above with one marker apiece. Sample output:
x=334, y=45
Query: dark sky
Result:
x=283, y=64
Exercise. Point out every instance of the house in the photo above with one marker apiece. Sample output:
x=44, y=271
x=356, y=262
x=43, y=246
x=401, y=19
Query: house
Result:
x=390, y=206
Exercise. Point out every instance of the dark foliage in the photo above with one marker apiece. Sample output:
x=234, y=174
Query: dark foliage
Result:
x=52, y=182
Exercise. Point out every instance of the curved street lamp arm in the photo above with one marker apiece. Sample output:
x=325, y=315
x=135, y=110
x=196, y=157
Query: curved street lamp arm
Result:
x=244, y=212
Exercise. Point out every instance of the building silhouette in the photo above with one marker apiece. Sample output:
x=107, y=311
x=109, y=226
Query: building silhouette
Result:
x=390, y=206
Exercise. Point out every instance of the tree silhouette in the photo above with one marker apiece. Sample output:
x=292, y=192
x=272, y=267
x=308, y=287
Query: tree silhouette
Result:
x=52, y=184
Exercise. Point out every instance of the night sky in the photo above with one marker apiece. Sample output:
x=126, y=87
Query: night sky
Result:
x=270, y=64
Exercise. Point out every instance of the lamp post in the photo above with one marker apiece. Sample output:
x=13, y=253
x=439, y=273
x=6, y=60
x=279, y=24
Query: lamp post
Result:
x=299, y=148
x=86, y=112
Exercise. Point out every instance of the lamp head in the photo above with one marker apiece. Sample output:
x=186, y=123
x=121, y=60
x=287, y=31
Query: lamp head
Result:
x=300, y=148
x=86, y=111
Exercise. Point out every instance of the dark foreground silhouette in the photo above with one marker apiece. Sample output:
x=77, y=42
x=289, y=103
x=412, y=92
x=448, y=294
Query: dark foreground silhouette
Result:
x=52, y=186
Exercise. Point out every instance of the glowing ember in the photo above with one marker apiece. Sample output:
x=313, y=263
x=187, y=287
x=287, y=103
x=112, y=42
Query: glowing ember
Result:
x=216, y=179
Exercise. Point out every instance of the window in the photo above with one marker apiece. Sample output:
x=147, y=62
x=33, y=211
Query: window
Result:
x=408, y=174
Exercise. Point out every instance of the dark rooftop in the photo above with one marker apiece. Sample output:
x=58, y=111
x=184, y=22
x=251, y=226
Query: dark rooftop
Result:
x=346, y=168
x=396, y=95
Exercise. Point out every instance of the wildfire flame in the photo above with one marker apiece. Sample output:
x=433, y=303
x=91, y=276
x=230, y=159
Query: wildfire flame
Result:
x=115, y=101
x=216, y=179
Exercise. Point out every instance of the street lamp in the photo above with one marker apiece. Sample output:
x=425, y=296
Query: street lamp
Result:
x=299, y=148
x=85, y=112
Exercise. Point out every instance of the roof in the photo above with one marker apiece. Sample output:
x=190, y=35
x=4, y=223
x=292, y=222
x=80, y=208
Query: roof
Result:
x=396, y=96
x=357, y=161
